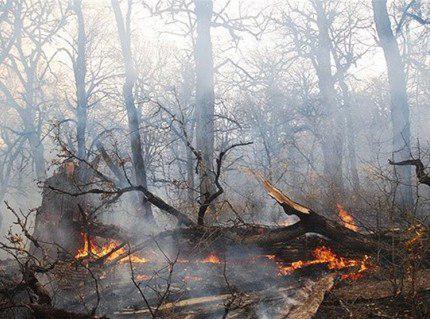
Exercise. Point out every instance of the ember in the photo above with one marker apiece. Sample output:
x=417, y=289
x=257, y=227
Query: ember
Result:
x=347, y=219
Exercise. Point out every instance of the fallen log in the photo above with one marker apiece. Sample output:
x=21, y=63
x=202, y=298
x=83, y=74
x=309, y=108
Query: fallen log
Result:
x=310, y=221
x=277, y=302
x=218, y=238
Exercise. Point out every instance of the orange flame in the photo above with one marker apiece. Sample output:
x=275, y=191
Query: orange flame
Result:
x=324, y=255
x=112, y=249
x=212, y=259
x=346, y=218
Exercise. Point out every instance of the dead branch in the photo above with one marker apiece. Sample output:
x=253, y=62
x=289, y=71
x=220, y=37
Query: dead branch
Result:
x=209, y=199
x=152, y=198
x=422, y=176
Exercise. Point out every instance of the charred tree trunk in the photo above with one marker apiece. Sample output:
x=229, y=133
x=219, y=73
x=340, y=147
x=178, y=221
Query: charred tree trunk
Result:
x=205, y=96
x=132, y=114
x=80, y=71
x=399, y=102
x=332, y=139
x=57, y=219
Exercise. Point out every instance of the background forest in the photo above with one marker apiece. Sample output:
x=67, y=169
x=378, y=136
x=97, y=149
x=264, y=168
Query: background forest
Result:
x=140, y=139
x=307, y=82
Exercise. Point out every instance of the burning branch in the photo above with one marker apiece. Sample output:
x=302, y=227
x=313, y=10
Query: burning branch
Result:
x=346, y=218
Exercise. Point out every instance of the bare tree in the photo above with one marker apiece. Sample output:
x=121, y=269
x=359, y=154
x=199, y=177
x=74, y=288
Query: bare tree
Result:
x=205, y=97
x=400, y=114
x=310, y=38
x=80, y=71
x=124, y=34
x=29, y=64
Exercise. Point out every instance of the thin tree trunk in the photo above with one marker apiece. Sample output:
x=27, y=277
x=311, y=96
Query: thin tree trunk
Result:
x=352, y=157
x=80, y=70
x=332, y=139
x=399, y=102
x=190, y=174
x=38, y=155
x=205, y=97
x=30, y=123
x=132, y=114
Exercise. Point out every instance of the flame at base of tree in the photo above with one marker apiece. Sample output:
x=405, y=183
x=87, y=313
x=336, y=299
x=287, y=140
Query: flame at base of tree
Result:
x=324, y=255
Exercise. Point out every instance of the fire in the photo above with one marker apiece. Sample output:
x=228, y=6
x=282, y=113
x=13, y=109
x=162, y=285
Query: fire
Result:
x=347, y=219
x=88, y=249
x=324, y=255
x=134, y=259
x=212, y=259
x=271, y=257
x=112, y=250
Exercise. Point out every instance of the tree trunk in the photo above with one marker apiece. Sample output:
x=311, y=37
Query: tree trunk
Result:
x=352, y=157
x=399, y=102
x=37, y=150
x=30, y=123
x=190, y=177
x=132, y=114
x=205, y=97
x=80, y=70
x=332, y=139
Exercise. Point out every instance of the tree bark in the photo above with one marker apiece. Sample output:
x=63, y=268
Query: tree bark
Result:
x=399, y=102
x=132, y=114
x=205, y=97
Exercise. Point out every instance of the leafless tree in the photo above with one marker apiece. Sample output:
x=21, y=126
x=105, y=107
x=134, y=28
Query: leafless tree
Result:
x=124, y=34
x=400, y=113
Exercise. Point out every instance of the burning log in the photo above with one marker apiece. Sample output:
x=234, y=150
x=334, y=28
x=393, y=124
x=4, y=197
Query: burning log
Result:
x=323, y=255
x=347, y=219
x=310, y=221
